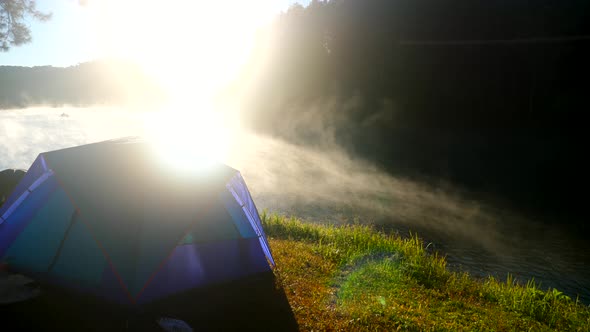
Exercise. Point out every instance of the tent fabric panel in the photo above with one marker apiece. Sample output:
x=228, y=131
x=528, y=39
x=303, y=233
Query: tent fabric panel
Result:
x=192, y=266
x=108, y=288
x=216, y=224
x=187, y=271
x=266, y=248
x=33, y=173
x=80, y=258
x=20, y=218
x=163, y=230
x=239, y=190
x=159, y=235
x=111, y=210
x=233, y=259
x=111, y=288
x=120, y=243
x=238, y=216
x=36, y=246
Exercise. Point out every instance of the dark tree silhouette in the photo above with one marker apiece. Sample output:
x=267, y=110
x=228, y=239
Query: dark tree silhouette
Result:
x=14, y=30
x=485, y=94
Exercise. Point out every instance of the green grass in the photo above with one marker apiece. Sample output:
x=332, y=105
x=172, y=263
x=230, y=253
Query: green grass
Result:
x=355, y=278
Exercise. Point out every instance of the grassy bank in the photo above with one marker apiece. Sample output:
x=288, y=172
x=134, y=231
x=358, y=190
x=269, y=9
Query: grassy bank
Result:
x=356, y=278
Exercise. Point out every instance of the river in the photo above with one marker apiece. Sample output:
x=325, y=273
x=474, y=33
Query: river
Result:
x=325, y=184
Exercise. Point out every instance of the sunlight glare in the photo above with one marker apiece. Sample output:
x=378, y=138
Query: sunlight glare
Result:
x=188, y=140
x=189, y=46
x=193, y=49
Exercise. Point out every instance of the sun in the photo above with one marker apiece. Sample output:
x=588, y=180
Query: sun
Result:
x=193, y=49
x=189, y=140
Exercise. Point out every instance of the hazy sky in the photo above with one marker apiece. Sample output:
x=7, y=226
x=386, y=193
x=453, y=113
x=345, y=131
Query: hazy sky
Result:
x=68, y=38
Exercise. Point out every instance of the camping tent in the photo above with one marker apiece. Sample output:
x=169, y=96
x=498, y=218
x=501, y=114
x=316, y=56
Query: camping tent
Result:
x=108, y=219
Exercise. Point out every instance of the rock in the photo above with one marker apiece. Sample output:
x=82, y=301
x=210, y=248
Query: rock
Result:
x=16, y=288
x=9, y=178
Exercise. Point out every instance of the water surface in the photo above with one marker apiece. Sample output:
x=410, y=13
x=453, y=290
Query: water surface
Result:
x=326, y=184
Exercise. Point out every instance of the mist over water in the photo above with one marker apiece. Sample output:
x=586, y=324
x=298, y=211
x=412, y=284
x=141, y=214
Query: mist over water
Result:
x=24, y=133
x=324, y=183
x=327, y=185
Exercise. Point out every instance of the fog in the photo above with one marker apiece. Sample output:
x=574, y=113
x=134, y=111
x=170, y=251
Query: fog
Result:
x=329, y=185
x=321, y=183
x=24, y=133
x=325, y=184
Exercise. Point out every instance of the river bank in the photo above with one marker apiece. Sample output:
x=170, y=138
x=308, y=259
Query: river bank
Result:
x=355, y=278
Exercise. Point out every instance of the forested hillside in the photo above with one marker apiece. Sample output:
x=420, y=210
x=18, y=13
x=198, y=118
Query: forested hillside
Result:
x=99, y=82
x=489, y=95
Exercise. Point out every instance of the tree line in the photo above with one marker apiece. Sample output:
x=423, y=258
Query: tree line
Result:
x=106, y=82
x=485, y=94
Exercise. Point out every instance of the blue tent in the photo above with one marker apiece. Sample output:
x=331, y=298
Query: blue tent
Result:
x=108, y=219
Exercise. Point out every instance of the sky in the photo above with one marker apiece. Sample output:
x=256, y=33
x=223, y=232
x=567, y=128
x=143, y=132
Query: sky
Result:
x=71, y=37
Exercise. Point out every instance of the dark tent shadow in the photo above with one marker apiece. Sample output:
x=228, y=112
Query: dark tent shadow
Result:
x=256, y=303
